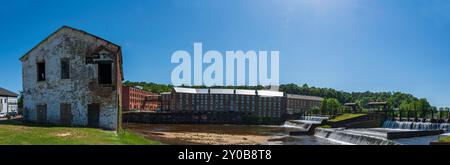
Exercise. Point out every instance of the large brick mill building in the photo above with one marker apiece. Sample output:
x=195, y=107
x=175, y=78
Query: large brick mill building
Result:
x=137, y=99
x=261, y=103
x=73, y=78
x=300, y=104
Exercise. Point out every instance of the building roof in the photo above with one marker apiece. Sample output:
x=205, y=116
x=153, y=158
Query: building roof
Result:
x=303, y=97
x=245, y=92
x=263, y=93
x=140, y=89
x=268, y=93
x=221, y=91
x=202, y=91
x=350, y=104
x=119, y=50
x=5, y=92
x=184, y=90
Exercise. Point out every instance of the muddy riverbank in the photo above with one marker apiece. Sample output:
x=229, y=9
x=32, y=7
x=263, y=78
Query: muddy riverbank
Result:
x=192, y=134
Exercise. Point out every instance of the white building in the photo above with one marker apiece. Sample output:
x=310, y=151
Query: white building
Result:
x=8, y=101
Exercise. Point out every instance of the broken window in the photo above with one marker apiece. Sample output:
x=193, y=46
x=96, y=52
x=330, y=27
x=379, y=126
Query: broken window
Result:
x=65, y=69
x=105, y=73
x=41, y=71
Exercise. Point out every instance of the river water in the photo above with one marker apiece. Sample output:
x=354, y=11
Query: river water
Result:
x=186, y=134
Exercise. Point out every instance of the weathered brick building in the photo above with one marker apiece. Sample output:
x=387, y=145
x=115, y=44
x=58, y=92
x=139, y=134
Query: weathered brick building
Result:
x=73, y=78
x=165, y=101
x=135, y=99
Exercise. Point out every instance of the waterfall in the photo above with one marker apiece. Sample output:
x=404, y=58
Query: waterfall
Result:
x=426, y=126
x=351, y=137
x=305, y=122
x=298, y=124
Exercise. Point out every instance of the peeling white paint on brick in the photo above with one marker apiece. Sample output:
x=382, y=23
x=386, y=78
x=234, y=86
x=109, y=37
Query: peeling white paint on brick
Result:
x=82, y=88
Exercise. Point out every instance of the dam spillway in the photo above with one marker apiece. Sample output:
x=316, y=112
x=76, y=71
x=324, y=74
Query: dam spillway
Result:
x=390, y=133
x=423, y=126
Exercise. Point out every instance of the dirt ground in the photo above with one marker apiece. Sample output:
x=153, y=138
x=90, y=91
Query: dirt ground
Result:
x=203, y=134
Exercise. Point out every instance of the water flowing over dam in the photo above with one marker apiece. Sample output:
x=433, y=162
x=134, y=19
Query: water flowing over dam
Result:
x=296, y=124
x=390, y=133
x=423, y=126
x=305, y=122
x=353, y=136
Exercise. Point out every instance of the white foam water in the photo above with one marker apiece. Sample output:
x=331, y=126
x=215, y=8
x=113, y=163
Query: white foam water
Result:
x=424, y=126
x=304, y=122
x=351, y=137
x=304, y=125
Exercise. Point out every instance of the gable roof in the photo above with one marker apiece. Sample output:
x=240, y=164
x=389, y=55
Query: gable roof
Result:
x=66, y=27
x=4, y=92
x=119, y=49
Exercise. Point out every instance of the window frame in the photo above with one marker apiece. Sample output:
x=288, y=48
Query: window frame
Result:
x=65, y=75
x=39, y=71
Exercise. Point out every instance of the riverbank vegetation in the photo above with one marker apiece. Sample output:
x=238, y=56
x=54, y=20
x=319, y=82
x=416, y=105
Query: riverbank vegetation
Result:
x=325, y=126
x=393, y=99
x=18, y=133
x=405, y=105
x=346, y=116
x=445, y=139
x=151, y=87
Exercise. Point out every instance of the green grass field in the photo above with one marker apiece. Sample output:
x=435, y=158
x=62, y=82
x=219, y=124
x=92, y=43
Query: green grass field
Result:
x=17, y=133
x=345, y=117
x=445, y=139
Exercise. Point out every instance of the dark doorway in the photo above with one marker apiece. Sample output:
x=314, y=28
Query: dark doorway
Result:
x=93, y=115
x=65, y=114
x=41, y=115
x=105, y=73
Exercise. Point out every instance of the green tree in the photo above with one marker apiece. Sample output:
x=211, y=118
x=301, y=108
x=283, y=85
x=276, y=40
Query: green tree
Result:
x=334, y=105
x=423, y=107
x=393, y=99
x=330, y=106
x=324, y=107
x=151, y=87
x=20, y=103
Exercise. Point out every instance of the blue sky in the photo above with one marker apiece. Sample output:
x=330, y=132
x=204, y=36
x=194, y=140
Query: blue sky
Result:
x=351, y=45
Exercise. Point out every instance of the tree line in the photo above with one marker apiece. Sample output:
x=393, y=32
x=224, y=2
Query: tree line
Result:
x=160, y=88
x=151, y=87
x=394, y=100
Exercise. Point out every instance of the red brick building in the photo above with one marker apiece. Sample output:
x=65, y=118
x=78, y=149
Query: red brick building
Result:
x=135, y=99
